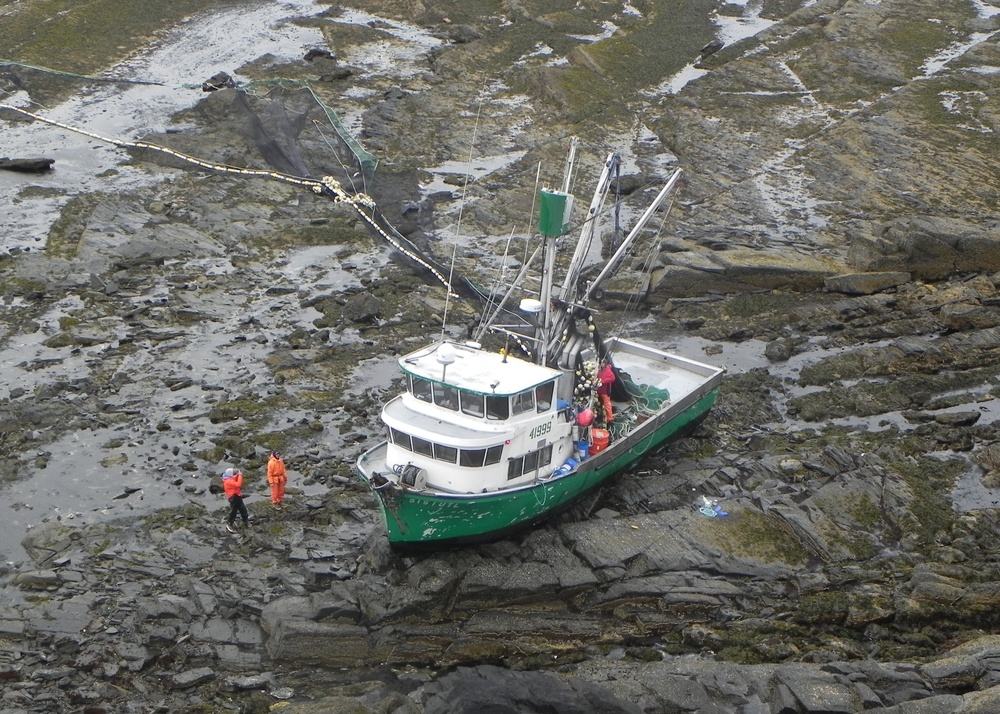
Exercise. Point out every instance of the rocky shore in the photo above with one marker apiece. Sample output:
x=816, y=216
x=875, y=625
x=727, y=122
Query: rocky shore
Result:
x=841, y=578
x=834, y=245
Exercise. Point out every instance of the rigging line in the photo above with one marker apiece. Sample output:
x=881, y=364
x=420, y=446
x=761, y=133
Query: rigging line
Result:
x=525, y=260
x=573, y=178
x=494, y=287
x=534, y=198
x=468, y=171
x=333, y=149
x=635, y=299
x=461, y=208
x=447, y=298
x=61, y=73
x=500, y=303
x=618, y=210
x=501, y=269
x=603, y=213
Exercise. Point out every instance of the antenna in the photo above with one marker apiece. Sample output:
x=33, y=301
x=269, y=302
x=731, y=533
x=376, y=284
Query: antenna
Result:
x=570, y=160
x=461, y=209
x=447, y=298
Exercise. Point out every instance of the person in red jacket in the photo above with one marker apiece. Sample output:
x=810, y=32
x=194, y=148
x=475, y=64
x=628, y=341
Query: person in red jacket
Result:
x=277, y=477
x=607, y=378
x=232, y=484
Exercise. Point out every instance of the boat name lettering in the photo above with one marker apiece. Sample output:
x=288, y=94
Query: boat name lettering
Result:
x=540, y=430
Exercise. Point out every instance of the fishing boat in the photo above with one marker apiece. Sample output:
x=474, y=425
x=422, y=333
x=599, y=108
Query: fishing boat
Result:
x=485, y=442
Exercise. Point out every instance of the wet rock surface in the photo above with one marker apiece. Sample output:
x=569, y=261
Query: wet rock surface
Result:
x=199, y=320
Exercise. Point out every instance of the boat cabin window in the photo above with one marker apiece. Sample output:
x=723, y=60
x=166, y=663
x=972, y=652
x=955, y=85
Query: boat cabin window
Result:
x=445, y=396
x=523, y=402
x=474, y=458
x=473, y=404
x=497, y=408
x=401, y=439
x=529, y=462
x=422, y=446
x=445, y=453
x=543, y=396
x=421, y=389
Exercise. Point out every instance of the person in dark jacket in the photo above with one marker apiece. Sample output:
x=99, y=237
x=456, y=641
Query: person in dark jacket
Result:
x=232, y=484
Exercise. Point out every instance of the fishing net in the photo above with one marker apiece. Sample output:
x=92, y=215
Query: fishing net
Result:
x=643, y=401
x=646, y=399
x=278, y=129
x=296, y=133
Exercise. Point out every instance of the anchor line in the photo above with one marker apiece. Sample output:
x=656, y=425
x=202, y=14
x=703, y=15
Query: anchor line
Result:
x=328, y=186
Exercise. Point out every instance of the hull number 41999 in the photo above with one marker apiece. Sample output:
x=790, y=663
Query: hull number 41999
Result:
x=540, y=430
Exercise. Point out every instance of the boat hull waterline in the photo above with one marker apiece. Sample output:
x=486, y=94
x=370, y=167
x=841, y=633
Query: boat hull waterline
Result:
x=416, y=519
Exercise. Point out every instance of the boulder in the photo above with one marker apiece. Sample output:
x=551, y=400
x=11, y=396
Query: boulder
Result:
x=28, y=166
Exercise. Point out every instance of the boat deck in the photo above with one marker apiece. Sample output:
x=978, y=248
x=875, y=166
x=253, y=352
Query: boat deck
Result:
x=655, y=368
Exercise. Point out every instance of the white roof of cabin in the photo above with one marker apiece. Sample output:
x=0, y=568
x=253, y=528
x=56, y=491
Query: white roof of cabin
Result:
x=475, y=369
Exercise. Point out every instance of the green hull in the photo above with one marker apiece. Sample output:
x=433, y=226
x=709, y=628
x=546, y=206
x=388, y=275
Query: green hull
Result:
x=417, y=519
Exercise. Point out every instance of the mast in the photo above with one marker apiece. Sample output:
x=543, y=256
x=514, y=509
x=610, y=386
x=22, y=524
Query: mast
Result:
x=561, y=319
x=553, y=220
x=551, y=316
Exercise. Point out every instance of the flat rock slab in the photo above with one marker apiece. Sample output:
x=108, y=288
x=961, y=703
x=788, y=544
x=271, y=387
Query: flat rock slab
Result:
x=674, y=540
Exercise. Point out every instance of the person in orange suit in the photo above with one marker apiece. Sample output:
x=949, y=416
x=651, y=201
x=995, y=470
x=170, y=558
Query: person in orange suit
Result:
x=232, y=484
x=277, y=477
x=606, y=378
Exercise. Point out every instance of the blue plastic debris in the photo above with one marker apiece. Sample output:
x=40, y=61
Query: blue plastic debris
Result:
x=711, y=508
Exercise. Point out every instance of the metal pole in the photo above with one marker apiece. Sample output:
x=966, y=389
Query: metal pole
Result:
x=612, y=264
